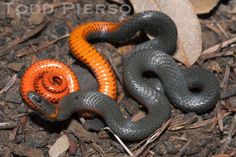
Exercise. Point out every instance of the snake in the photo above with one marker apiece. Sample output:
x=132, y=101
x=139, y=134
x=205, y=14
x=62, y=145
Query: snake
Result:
x=189, y=89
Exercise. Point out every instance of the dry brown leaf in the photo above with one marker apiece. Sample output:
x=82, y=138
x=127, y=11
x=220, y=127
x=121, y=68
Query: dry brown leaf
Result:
x=189, y=29
x=203, y=6
x=59, y=147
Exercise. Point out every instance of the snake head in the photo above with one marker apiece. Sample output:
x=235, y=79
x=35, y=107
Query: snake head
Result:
x=42, y=106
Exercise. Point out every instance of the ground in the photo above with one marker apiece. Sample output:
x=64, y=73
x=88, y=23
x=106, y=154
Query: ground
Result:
x=27, y=38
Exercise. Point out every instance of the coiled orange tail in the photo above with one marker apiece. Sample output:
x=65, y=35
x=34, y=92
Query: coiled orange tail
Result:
x=49, y=78
x=85, y=52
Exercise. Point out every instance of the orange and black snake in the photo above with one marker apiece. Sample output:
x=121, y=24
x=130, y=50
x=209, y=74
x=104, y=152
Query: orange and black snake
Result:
x=191, y=90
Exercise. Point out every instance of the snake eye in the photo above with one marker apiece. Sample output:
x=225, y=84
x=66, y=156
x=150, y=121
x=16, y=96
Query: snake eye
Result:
x=38, y=99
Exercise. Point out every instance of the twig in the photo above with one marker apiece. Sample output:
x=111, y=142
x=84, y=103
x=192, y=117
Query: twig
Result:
x=221, y=45
x=206, y=122
x=222, y=30
x=152, y=138
x=24, y=38
x=7, y=125
x=226, y=78
x=98, y=149
x=43, y=46
x=230, y=135
x=219, y=116
x=12, y=138
x=214, y=55
x=209, y=25
x=120, y=141
x=9, y=84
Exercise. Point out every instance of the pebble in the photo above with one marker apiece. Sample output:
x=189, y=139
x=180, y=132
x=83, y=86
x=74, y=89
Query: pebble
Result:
x=36, y=139
x=36, y=19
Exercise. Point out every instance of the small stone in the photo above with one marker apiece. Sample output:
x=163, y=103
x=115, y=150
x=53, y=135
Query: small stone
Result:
x=15, y=66
x=13, y=96
x=36, y=19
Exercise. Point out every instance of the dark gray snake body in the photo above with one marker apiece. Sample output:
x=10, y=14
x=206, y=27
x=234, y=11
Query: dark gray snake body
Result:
x=191, y=90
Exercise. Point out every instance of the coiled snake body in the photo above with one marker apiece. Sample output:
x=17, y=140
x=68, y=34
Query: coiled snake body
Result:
x=194, y=89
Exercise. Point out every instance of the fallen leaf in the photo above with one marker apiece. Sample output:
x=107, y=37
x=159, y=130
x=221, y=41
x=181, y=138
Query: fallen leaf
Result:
x=59, y=147
x=189, y=29
x=203, y=6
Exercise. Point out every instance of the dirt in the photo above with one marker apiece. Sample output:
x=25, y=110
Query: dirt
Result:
x=28, y=134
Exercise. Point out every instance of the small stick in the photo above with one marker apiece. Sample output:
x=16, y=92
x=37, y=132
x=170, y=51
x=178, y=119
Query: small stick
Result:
x=152, y=138
x=222, y=30
x=230, y=135
x=45, y=45
x=7, y=125
x=221, y=45
x=120, y=141
x=215, y=54
x=219, y=116
x=9, y=84
x=226, y=78
x=209, y=26
x=98, y=149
